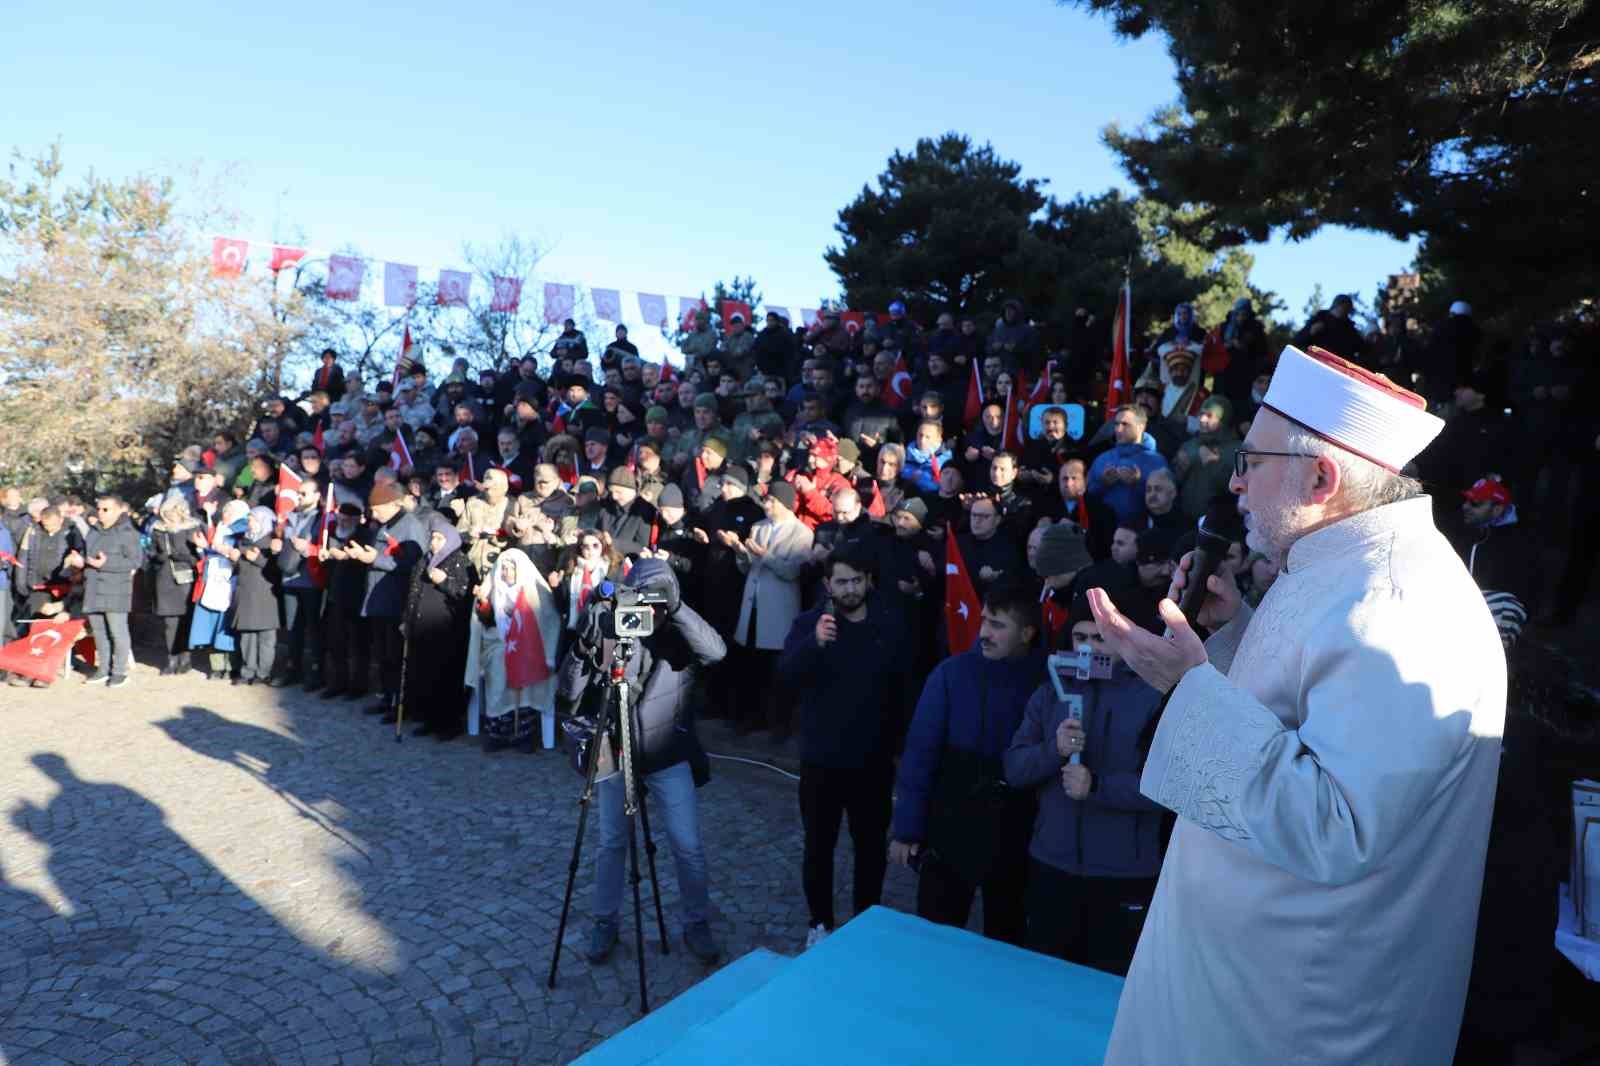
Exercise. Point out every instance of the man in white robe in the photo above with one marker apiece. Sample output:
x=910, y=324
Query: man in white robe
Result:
x=1332, y=758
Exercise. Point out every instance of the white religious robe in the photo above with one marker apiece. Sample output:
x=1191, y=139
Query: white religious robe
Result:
x=1333, y=768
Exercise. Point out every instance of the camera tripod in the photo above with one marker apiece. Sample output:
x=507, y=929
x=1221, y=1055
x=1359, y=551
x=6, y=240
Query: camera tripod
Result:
x=632, y=806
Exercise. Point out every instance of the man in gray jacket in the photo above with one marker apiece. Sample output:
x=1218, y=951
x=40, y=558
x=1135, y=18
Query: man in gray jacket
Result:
x=110, y=556
x=1096, y=847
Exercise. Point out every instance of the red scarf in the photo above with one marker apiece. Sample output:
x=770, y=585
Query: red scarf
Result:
x=586, y=588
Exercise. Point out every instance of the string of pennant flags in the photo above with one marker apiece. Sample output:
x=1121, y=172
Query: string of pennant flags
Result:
x=346, y=274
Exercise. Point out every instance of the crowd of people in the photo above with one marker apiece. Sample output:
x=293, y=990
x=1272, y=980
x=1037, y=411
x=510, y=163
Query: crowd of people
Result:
x=430, y=550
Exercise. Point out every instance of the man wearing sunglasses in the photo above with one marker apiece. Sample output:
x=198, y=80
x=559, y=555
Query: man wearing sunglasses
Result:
x=1332, y=755
x=110, y=555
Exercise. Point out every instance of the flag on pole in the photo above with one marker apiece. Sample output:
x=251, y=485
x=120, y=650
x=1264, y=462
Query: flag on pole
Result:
x=468, y=473
x=227, y=257
x=1011, y=427
x=526, y=663
x=399, y=454
x=283, y=256
x=1214, y=355
x=607, y=304
x=668, y=373
x=853, y=321
x=898, y=393
x=876, y=508
x=39, y=655
x=962, y=611
x=288, y=497
x=507, y=295
x=399, y=284
x=688, y=308
x=454, y=288
x=314, y=566
x=1040, y=393
x=402, y=363
x=1120, y=388
x=975, y=399
x=316, y=439
x=728, y=308
x=344, y=277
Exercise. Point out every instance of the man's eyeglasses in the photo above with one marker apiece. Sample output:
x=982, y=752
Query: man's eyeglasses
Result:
x=1241, y=458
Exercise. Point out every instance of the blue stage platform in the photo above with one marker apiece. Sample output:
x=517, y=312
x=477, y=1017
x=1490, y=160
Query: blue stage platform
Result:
x=887, y=987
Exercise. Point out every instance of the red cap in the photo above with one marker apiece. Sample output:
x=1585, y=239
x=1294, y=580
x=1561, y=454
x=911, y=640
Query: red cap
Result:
x=1488, y=490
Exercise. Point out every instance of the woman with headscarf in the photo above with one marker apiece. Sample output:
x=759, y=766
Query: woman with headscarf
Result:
x=172, y=573
x=209, y=626
x=253, y=614
x=511, y=654
x=585, y=566
x=438, y=602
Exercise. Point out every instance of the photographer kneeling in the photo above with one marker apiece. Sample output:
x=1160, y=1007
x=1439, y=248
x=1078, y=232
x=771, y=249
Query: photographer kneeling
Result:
x=661, y=675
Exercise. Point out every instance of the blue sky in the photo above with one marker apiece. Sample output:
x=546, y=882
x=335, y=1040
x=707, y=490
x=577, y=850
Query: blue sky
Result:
x=647, y=148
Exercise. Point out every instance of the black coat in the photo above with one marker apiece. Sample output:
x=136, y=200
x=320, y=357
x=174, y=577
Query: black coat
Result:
x=662, y=673
x=109, y=589
x=41, y=553
x=436, y=641
x=629, y=526
x=722, y=582
x=171, y=553
x=255, y=591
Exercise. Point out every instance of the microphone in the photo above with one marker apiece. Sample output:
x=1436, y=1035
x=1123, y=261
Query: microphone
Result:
x=1217, y=529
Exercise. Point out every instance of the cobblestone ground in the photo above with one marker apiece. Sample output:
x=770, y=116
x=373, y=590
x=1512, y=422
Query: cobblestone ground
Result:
x=195, y=873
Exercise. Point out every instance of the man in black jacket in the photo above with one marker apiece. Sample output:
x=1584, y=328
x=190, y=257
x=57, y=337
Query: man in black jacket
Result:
x=625, y=515
x=110, y=555
x=849, y=664
x=661, y=677
x=393, y=544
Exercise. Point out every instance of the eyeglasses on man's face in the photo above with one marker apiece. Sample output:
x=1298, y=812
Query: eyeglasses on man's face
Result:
x=1242, y=457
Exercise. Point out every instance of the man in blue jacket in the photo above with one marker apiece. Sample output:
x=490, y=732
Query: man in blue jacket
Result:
x=1096, y=847
x=1117, y=477
x=849, y=663
x=955, y=817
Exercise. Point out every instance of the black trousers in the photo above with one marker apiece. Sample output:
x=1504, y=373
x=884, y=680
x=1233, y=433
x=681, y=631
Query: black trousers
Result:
x=388, y=651
x=1092, y=921
x=826, y=797
x=944, y=895
x=349, y=654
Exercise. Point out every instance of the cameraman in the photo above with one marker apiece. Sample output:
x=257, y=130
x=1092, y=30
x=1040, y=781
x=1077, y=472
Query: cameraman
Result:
x=661, y=676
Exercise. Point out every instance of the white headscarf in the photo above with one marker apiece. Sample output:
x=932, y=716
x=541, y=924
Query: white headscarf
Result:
x=261, y=522
x=504, y=594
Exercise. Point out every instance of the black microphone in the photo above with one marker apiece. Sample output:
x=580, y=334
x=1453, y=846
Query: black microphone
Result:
x=1216, y=531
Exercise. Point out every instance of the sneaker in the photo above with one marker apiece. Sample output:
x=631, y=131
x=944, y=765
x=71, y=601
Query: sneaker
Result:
x=697, y=938
x=602, y=940
x=97, y=679
x=816, y=935
x=116, y=682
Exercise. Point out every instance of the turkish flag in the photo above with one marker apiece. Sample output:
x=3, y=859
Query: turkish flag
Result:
x=288, y=497
x=283, y=256
x=853, y=321
x=962, y=611
x=399, y=284
x=39, y=655
x=399, y=454
x=227, y=257
x=1120, y=386
x=653, y=309
x=688, y=308
x=1011, y=428
x=1040, y=393
x=1214, y=355
x=974, y=408
x=876, y=508
x=729, y=308
x=525, y=654
x=898, y=394
x=667, y=372
x=507, y=295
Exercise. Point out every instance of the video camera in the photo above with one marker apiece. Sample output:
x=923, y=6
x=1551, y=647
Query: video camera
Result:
x=623, y=613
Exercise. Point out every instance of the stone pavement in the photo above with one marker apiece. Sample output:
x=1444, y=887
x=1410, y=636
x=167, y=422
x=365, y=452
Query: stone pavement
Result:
x=195, y=873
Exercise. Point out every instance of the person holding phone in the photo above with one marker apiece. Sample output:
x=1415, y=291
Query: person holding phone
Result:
x=849, y=664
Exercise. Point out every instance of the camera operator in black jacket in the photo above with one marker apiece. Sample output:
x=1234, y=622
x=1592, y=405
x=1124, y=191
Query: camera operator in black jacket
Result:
x=660, y=675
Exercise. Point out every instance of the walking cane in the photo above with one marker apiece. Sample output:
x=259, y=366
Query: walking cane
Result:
x=400, y=700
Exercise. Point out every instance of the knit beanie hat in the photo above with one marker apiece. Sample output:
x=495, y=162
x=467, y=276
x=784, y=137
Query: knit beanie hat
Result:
x=655, y=414
x=784, y=493
x=707, y=400
x=671, y=496
x=622, y=477
x=1063, y=549
x=716, y=444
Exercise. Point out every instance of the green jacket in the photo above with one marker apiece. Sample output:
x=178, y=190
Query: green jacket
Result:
x=741, y=447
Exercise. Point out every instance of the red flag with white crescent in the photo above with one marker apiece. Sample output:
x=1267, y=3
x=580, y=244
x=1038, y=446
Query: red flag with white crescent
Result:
x=1120, y=388
x=975, y=398
x=399, y=454
x=283, y=256
x=898, y=394
x=962, y=611
x=1040, y=393
x=39, y=655
x=288, y=496
x=1011, y=428
x=227, y=256
x=525, y=653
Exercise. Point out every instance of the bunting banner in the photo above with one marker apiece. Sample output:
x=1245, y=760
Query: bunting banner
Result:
x=283, y=256
x=227, y=257
x=558, y=302
x=454, y=288
x=507, y=295
x=607, y=304
x=399, y=284
x=653, y=309
x=344, y=276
